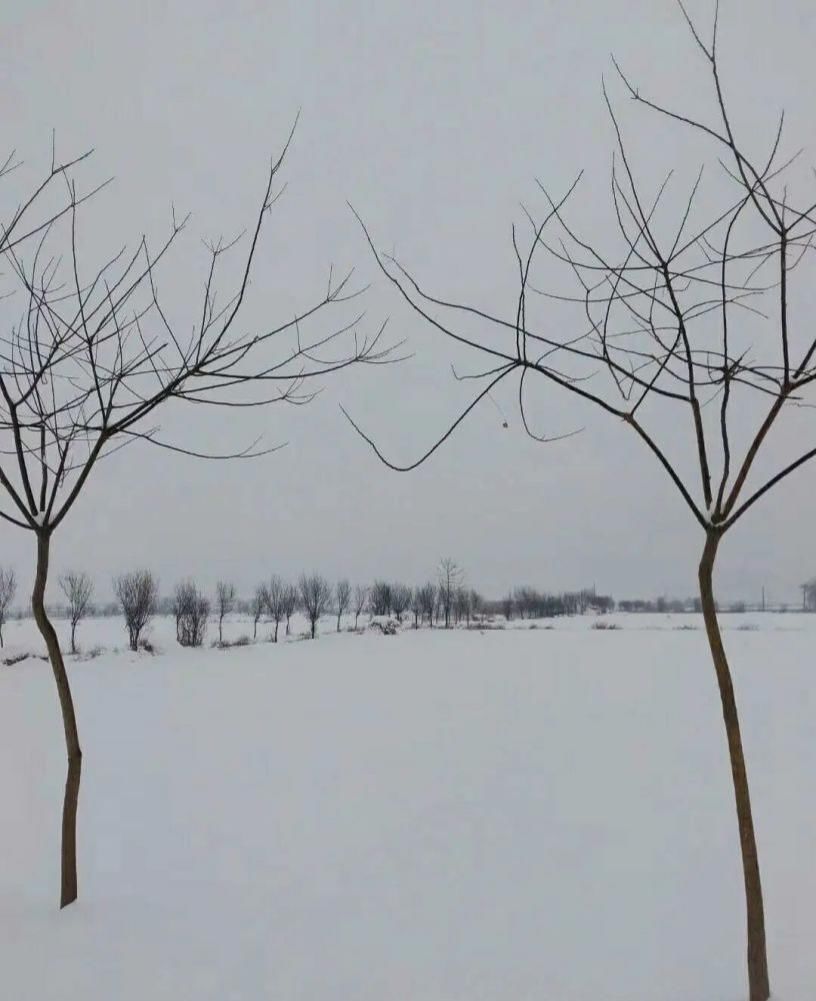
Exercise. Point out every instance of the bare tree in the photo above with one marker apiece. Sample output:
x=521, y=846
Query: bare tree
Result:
x=359, y=602
x=416, y=605
x=342, y=599
x=508, y=606
x=450, y=579
x=426, y=596
x=692, y=311
x=315, y=594
x=137, y=593
x=400, y=600
x=438, y=609
x=260, y=603
x=224, y=604
x=291, y=597
x=379, y=598
x=91, y=355
x=475, y=604
x=191, y=609
x=276, y=599
x=530, y=603
x=8, y=588
x=461, y=605
x=78, y=590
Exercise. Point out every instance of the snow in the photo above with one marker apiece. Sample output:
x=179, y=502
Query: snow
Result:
x=464, y=816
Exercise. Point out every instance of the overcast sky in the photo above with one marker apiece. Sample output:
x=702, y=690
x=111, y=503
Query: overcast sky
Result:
x=434, y=119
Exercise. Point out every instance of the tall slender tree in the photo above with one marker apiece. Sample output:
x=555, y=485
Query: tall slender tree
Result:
x=691, y=312
x=276, y=602
x=260, y=603
x=360, y=599
x=224, y=604
x=291, y=597
x=90, y=357
x=449, y=575
x=342, y=599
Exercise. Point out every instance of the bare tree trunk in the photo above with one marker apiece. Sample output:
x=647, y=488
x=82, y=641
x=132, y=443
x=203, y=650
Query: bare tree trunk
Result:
x=276, y=631
x=68, y=882
x=73, y=637
x=758, y=982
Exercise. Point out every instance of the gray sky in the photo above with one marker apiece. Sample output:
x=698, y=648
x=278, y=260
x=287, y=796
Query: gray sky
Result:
x=434, y=120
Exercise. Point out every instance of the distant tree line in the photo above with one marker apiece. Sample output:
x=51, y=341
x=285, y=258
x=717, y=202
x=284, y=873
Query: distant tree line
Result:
x=445, y=602
x=529, y=603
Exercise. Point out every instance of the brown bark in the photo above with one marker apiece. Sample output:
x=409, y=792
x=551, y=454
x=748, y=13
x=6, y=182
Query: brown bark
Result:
x=68, y=878
x=758, y=982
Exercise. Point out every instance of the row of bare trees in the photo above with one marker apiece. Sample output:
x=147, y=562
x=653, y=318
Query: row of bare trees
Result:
x=530, y=603
x=277, y=600
x=76, y=586
x=316, y=597
x=137, y=596
x=446, y=599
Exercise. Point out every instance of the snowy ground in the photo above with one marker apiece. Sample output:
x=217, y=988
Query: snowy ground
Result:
x=509, y=815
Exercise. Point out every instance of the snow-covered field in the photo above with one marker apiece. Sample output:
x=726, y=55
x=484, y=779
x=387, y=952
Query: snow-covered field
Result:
x=508, y=815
